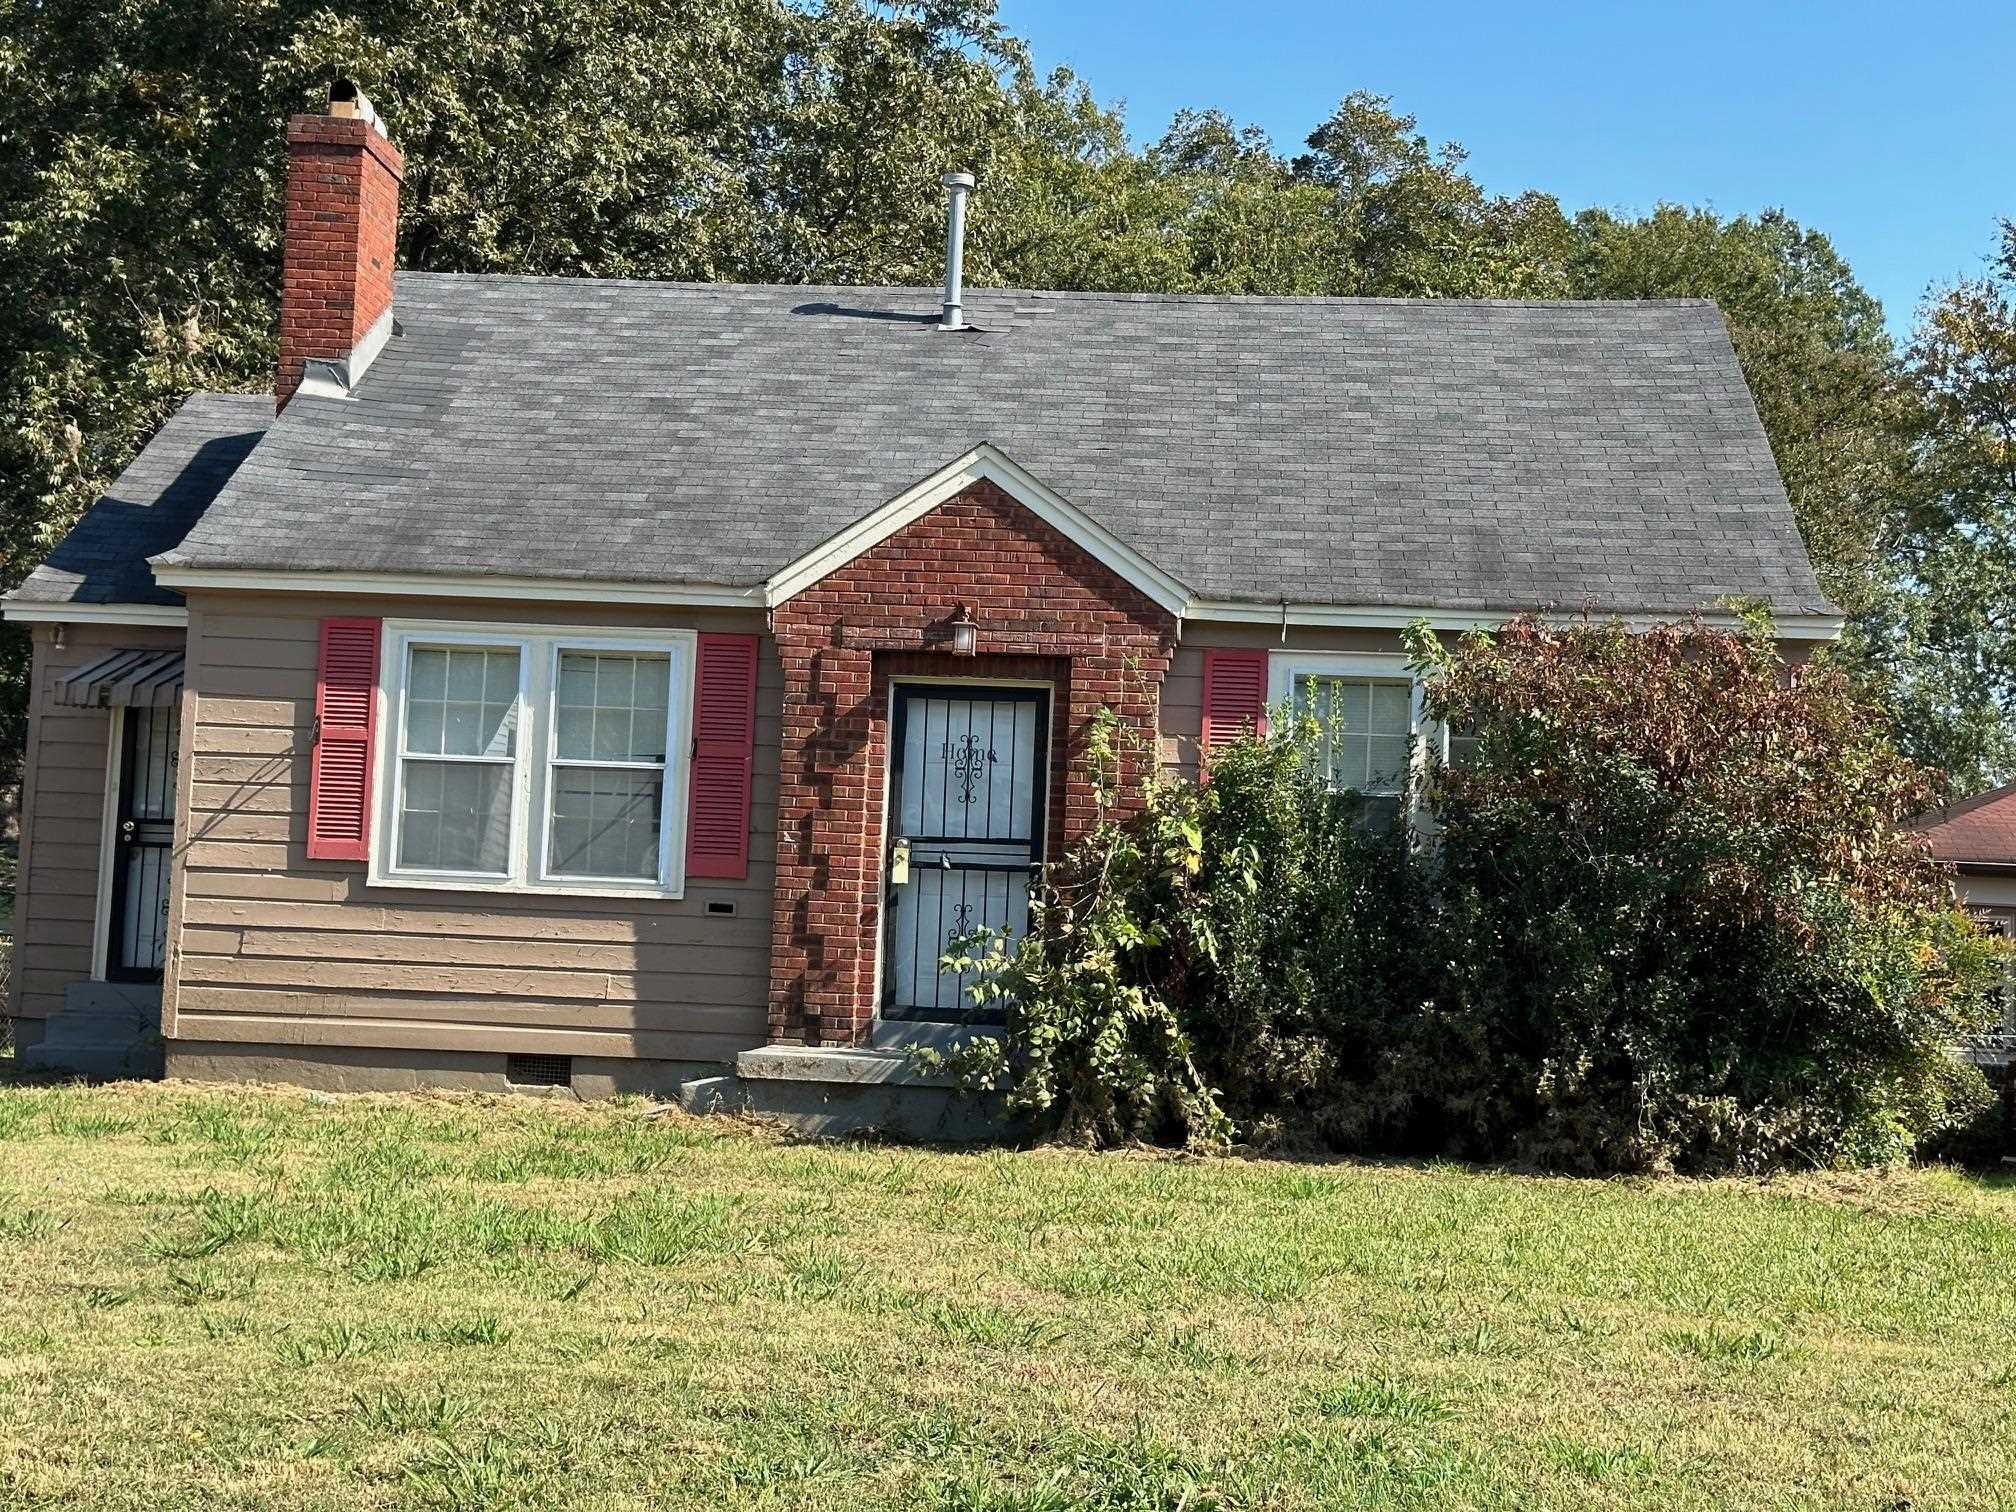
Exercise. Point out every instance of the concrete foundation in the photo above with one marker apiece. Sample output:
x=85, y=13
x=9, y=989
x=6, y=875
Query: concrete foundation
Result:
x=329, y=1068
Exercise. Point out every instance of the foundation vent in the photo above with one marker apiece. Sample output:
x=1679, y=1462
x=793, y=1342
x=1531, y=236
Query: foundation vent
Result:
x=539, y=1070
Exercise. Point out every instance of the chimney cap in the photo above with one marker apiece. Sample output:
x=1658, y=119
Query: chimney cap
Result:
x=959, y=178
x=347, y=102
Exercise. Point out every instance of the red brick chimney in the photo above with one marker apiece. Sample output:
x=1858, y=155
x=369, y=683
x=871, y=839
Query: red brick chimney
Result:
x=337, y=254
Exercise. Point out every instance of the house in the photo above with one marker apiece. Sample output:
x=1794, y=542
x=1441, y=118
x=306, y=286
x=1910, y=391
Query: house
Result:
x=1977, y=838
x=616, y=682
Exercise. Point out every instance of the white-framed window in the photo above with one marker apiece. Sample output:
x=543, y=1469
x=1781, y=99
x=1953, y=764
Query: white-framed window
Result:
x=1367, y=708
x=516, y=758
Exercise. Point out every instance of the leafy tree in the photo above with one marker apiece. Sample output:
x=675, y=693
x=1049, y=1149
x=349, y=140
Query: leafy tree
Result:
x=142, y=163
x=1413, y=224
x=1940, y=640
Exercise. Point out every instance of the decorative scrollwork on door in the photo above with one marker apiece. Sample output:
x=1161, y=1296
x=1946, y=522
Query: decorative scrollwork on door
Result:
x=968, y=758
x=962, y=924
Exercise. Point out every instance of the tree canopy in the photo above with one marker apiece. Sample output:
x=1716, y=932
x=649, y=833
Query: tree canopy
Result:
x=142, y=164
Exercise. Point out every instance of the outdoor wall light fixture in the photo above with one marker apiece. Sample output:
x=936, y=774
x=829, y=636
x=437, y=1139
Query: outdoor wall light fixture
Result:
x=965, y=633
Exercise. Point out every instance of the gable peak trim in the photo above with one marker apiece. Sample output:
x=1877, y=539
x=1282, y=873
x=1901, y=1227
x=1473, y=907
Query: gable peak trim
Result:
x=985, y=463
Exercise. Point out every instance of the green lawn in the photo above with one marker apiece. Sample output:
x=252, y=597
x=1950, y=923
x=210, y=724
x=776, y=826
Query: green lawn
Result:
x=261, y=1299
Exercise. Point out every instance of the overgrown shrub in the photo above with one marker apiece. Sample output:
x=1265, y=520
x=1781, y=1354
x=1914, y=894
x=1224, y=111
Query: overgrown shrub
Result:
x=1681, y=923
x=1664, y=919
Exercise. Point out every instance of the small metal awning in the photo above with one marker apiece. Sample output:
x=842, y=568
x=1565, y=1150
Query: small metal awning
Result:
x=124, y=679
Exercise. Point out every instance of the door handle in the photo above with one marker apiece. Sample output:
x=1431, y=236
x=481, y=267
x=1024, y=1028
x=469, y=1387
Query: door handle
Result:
x=127, y=829
x=899, y=861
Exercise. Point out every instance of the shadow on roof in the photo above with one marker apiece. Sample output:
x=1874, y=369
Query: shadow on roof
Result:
x=849, y=312
x=109, y=547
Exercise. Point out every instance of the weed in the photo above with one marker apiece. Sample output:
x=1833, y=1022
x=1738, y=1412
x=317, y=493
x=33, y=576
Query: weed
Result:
x=821, y=1275
x=489, y=1475
x=1718, y=1347
x=333, y=1341
x=1601, y=1462
x=394, y=1412
x=27, y=1223
x=163, y=1246
x=483, y=1330
x=991, y=1328
x=1383, y=1397
x=203, y=1283
x=402, y=1263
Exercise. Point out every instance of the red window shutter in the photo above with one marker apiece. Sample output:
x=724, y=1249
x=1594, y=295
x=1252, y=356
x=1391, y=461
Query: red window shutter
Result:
x=724, y=746
x=1235, y=697
x=346, y=717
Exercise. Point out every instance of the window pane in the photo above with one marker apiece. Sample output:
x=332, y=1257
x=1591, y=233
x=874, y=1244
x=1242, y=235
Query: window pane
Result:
x=1390, y=712
x=1386, y=763
x=1366, y=726
x=462, y=701
x=1380, y=815
x=455, y=816
x=605, y=823
x=611, y=706
x=1350, y=697
x=1347, y=761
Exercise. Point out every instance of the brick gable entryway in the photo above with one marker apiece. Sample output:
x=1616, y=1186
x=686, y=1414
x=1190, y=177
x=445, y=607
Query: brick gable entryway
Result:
x=1047, y=611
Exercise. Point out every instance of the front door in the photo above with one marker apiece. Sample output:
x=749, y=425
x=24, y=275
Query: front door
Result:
x=966, y=799
x=142, y=844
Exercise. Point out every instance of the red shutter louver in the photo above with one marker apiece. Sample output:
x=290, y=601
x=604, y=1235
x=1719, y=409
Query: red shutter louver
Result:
x=724, y=744
x=346, y=717
x=1235, y=698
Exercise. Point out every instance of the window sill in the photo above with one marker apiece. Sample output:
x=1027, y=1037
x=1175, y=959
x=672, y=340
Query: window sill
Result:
x=498, y=887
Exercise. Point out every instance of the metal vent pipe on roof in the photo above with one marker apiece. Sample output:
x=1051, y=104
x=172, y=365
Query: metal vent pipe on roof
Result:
x=958, y=185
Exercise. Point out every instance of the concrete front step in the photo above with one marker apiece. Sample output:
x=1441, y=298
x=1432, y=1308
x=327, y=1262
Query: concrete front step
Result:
x=841, y=1092
x=106, y=1030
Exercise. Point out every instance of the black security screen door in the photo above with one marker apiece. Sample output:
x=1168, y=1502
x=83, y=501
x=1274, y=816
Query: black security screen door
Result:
x=966, y=797
x=142, y=845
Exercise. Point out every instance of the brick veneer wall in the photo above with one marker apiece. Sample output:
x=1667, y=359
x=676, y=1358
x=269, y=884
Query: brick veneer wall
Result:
x=338, y=246
x=1045, y=609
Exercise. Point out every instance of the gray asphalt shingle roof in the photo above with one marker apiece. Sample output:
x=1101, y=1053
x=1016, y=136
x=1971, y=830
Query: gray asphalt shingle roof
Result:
x=103, y=560
x=1462, y=454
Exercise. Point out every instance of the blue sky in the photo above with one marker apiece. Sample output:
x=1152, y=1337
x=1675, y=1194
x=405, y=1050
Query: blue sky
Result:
x=1891, y=127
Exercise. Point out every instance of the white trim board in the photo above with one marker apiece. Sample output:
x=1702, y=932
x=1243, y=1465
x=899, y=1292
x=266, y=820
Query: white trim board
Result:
x=171, y=615
x=101, y=917
x=1389, y=617
x=989, y=463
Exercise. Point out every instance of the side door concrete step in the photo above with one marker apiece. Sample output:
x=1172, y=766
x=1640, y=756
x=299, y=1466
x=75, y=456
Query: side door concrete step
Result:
x=104, y=1029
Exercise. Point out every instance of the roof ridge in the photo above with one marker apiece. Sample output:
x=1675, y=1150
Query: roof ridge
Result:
x=933, y=294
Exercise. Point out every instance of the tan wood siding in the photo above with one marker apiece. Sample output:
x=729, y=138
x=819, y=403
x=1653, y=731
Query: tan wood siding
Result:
x=1182, y=721
x=63, y=815
x=270, y=947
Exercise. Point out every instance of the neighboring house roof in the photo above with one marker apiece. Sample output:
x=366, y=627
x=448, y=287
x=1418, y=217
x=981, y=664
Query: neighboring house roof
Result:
x=1459, y=454
x=103, y=560
x=1975, y=832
